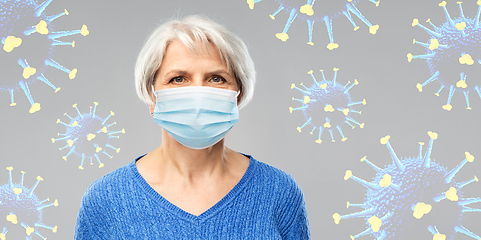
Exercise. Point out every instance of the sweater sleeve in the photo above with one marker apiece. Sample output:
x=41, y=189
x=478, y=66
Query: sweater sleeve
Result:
x=293, y=220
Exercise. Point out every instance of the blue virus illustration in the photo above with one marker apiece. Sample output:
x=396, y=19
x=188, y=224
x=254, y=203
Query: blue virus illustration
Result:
x=325, y=11
x=29, y=40
x=453, y=54
x=88, y=135
x=327, y=105
x=411, y=195
x=20, y=205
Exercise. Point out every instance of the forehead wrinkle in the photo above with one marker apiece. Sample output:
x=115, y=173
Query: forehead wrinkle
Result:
x=185, y=72
x=199, y=49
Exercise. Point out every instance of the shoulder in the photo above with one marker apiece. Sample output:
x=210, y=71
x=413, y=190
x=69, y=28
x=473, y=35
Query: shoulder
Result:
x=290, y=209
x=110, y=184
x=276, y=184
x=102, y=202
x=275, y=176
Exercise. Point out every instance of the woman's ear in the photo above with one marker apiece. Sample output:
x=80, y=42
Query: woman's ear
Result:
x=239, y=97
x=151, y=109
x=154, y=99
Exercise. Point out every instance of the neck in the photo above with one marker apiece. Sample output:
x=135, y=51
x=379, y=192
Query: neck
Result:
x=174, y=157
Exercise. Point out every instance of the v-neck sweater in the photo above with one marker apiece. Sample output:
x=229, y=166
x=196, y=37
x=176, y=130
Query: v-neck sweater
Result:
x=266, y=203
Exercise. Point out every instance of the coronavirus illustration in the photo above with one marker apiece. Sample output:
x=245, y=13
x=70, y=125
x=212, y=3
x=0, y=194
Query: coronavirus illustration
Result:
x=29, y=40
x=453, y=54
x=327, y=105
x=413, y=195
x=19, y=206
x=324, y=11
x=88, y=135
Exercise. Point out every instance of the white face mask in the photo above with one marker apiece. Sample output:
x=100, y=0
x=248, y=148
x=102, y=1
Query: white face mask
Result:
x=197, y=117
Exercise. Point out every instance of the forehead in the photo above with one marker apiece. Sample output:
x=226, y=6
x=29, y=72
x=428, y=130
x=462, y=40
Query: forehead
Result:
x=195, y=50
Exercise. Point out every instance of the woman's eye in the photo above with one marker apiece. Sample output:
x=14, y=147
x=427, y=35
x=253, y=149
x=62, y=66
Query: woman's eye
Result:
x=177, y=79
x=218, y=79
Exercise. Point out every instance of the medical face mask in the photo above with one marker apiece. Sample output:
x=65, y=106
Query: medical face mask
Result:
x=197, y=117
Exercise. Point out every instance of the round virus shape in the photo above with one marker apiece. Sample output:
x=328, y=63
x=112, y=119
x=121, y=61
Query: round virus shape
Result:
x=87, y=135
x=453, y=54
x=412, y=195
x=19, y=205
x=324, y=11
x=28, y=42
x=327, y=105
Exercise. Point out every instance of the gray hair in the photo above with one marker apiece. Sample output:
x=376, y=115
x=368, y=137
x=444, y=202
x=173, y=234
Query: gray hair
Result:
x=232, y=51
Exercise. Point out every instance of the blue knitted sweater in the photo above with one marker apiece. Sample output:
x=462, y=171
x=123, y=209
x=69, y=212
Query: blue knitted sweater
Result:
x=265, y=204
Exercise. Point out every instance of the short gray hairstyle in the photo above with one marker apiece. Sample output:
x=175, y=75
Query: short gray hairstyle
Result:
x=231, y=48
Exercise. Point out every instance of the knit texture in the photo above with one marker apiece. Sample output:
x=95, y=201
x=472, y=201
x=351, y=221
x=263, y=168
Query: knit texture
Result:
x=266, y=203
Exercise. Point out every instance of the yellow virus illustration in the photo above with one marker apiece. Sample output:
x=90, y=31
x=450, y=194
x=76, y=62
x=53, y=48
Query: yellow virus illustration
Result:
x=324, y=11
x=28, y=42
x=327, y=105
x=19, y=205
x=412, y=195
x=88, y=135
x=453, y=54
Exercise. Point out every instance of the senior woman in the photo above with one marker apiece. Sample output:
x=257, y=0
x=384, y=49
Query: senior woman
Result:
x=194, y=74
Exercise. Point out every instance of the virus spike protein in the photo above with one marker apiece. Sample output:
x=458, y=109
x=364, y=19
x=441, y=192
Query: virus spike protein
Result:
x=327, y=105
x=25, y=30
x=453, y=54
x=420, y=187
x=307, y=13
x=87, y=135
x=19, y=204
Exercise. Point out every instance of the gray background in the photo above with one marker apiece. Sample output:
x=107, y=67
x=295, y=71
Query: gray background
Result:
x=105, y=60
